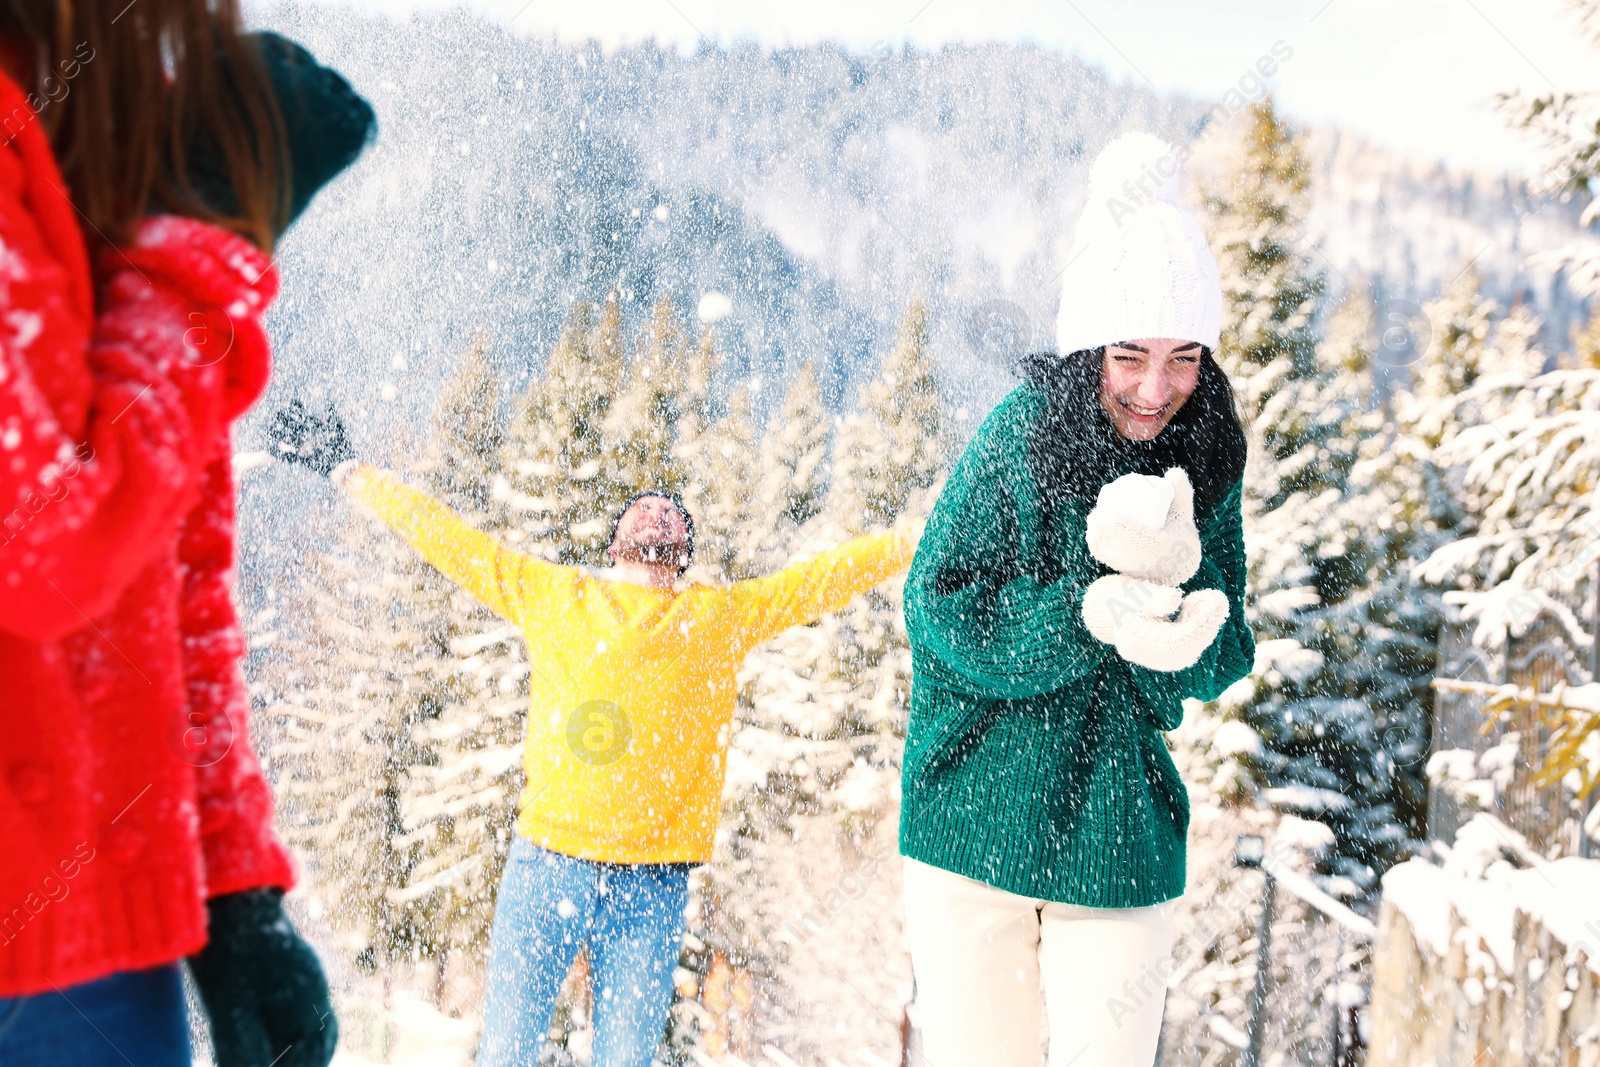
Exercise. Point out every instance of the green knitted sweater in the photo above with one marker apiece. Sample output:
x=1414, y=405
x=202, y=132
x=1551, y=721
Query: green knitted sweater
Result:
x=1034, y=760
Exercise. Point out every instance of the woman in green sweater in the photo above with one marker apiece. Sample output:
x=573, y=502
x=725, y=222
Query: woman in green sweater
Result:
x=1081, y=575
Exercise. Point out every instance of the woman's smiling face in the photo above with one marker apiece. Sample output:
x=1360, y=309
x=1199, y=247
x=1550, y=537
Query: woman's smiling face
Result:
x=1145, y=381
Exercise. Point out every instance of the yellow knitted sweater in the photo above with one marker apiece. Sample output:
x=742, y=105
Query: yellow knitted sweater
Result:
x=632, y=687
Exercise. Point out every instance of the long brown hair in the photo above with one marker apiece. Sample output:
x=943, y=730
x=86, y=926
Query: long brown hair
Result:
x=128, y=88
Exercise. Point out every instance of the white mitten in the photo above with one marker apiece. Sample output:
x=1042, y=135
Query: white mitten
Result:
x=1115, y=597
x=1129, y=529
x=1172, y=645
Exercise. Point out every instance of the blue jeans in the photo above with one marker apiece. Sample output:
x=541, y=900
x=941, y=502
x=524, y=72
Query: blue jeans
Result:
x=132, y=1017
x=550, y=906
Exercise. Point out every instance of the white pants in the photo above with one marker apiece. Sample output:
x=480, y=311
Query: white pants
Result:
x=983, y=956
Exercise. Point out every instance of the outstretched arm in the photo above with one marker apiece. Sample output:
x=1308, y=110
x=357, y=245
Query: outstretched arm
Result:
x=504, y=580
x=827, y=582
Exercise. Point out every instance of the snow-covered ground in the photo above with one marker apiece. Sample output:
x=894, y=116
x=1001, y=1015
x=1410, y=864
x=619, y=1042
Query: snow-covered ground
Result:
x=410, y=1033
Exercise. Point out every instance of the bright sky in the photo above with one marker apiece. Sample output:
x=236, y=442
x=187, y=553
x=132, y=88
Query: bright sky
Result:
x=1416, y=75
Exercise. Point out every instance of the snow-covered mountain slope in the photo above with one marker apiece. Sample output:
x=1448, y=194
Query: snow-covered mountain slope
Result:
x=819, y=189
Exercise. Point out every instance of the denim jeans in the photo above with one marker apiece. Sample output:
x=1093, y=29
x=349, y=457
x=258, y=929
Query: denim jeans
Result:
x=550, y=906
x=132, y=1017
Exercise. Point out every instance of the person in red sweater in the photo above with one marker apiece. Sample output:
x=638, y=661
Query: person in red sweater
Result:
x=135, y=821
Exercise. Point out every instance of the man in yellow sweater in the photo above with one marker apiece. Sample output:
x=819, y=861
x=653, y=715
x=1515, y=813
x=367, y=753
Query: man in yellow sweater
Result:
x=632, y=697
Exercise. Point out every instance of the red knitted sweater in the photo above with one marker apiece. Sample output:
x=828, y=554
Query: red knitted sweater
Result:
x=128, y=790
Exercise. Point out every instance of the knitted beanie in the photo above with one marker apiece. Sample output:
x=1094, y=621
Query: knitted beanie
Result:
x=1140, y=265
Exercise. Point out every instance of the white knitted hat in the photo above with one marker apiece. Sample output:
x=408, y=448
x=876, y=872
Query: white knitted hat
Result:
x=1139, y=266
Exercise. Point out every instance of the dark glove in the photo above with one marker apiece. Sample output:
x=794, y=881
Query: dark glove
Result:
x=262, y=986
x=318, y=441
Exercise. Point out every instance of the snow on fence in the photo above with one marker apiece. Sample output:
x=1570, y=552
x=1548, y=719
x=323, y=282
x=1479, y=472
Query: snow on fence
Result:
x=1488, y=959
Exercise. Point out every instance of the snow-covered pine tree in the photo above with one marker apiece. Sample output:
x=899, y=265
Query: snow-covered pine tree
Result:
x=1430, y=408
x=1271, y=293
x=1526, y=444
x=695, y=414
x=793, y=467
x=384, y=704
x=1519, y=449
x=719, y=472
x=1340, y=695
x=893, y=449
x=1271, y=300
x=342, y=713
x=1568, y=124
x=890, y=457
x=642, y=426
x=462, y=456
x=454, y=803
x=553, y=461
x=1338, y=698
x=460, y=805
x=1378, y=625
x=845, y=679
x=1514, y=351
x=718, y=459
x=359, y=685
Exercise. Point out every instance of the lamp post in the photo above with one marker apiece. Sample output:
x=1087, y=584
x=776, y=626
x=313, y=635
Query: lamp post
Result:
x=1336, y=1029
x=1249, y=852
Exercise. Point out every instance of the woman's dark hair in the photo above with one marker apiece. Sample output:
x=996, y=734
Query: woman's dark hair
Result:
x=1074, y=445
x=127, y=91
